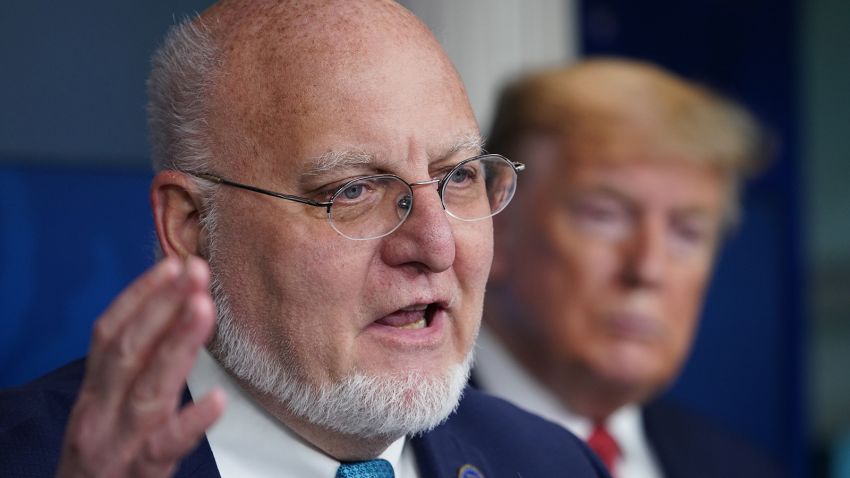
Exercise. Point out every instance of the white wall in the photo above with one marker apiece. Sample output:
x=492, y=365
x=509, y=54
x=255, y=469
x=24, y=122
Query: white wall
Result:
x=491, y=41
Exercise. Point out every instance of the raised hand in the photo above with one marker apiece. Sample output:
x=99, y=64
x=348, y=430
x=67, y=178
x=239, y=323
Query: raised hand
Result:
x=127, y=420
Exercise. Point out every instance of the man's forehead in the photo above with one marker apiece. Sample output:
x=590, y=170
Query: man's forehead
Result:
x=637, y=163
x=284, y=49
x=308, y=30
x=289, y=80
x=257, y=18
x=678, y=185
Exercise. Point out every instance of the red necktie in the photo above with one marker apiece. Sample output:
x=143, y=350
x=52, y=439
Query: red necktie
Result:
x=605, y=446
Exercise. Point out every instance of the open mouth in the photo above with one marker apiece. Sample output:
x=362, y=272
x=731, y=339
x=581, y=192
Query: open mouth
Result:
x=415, y=317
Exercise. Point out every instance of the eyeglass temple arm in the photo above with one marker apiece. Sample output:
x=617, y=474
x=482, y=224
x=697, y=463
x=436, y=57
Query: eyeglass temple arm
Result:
x=219, y=180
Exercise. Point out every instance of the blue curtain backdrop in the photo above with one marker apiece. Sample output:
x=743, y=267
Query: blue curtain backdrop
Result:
x=747, y=366
x=71, y=240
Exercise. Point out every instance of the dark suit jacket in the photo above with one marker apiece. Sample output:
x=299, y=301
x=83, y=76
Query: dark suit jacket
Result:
x=688, y=445
x=493, y=436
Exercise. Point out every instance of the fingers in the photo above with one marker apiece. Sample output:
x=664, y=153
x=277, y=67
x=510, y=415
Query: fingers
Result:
x=123, y=307
x=157, y=389
x=160, y=454
x=183, y=433
x=143, y=349
x=127, y=334
x=157, y=455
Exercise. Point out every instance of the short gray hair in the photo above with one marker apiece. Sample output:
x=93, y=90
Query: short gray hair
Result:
x=183, y=72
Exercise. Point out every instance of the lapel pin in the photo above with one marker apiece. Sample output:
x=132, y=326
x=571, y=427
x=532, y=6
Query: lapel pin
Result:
x=469, y=471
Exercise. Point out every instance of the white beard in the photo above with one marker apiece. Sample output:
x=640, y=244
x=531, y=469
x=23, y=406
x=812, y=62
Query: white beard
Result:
x=359, y=404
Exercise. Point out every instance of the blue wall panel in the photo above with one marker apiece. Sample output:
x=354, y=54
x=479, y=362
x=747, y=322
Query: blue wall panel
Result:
x=71, y=240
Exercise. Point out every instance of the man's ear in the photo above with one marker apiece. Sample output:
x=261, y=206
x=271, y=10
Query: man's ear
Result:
x=176, y=208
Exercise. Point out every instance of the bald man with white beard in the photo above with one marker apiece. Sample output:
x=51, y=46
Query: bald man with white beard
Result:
x=323, y=209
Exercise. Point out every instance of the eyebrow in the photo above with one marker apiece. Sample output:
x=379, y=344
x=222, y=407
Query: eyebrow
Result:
x=337, y=160
x=468, y=141
x=697, y=212
x=602, y=190
x=333, y=160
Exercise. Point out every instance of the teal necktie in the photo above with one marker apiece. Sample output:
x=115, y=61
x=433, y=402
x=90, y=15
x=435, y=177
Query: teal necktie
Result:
x=366, y=469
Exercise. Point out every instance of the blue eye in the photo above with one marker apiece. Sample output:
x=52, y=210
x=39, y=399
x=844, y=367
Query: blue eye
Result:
x=352, y=192
x=404, y=202
x=602, y=218
x=459, y=176
x=462, y=175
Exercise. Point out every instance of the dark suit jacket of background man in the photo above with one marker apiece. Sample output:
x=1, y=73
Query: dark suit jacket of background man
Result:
x=688, y=445
x=490, y=434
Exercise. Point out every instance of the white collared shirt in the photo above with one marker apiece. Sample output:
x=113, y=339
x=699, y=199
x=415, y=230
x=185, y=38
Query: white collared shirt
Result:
x=248, y=441
x=499, y=374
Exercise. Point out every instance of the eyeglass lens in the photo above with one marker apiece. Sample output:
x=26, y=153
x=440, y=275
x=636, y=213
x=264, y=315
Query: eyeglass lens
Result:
x=375, y=206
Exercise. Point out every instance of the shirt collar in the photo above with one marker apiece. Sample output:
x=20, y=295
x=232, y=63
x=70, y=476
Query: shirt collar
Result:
x=248, y=441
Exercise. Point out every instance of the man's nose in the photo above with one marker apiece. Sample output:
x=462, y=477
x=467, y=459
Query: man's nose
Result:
x=645, y=254
x=425, y=239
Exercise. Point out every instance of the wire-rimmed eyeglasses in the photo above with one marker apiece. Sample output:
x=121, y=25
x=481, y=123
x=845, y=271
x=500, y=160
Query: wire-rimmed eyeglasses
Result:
x=370, y=207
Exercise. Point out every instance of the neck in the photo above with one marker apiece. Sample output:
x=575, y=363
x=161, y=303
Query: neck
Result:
x=587, y=396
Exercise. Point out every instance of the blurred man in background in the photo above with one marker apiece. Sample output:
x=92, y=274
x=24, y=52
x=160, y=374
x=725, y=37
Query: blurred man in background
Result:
x=601, y=267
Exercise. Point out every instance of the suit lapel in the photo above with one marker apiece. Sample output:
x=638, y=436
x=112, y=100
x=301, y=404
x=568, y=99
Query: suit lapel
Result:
x=668, y=444
x=441, y=454
x=199, y=463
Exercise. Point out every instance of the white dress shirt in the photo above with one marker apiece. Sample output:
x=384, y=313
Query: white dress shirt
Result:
x=247, y=441
x=499, y=374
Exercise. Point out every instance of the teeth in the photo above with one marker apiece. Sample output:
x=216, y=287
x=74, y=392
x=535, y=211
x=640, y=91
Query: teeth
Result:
x=419, y=324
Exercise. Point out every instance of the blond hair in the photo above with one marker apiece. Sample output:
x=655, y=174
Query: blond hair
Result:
x=617, y=102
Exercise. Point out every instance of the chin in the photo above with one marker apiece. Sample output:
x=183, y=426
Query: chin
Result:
x=383, y=404
x=631, y=368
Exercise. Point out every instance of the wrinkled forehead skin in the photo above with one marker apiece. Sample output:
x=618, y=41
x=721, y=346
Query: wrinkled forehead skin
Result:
x=288, y=66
